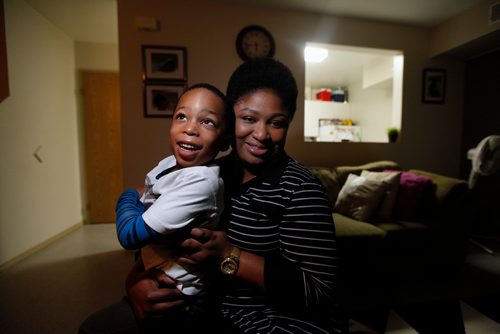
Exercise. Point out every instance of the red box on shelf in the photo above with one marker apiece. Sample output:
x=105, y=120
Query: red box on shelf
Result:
x=324, y=95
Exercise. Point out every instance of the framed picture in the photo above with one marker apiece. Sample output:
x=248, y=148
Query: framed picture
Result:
x=164, y=63
x=160, y=98
x=434, y=85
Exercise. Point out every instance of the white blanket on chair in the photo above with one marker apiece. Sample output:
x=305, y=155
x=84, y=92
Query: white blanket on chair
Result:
x=485, y=158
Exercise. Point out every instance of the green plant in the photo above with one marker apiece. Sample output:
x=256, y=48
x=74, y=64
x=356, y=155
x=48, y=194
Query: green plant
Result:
x=393, y=134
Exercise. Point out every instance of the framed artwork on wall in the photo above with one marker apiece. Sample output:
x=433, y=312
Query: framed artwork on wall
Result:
x=160, y=98
x=164, y=63
x=433, y=85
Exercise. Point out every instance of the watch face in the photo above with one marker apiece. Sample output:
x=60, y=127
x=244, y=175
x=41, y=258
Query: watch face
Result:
x=255, y=42
x=229, y=266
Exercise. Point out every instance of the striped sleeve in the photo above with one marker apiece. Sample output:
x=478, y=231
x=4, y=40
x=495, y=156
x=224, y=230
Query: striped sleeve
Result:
x=307, y=264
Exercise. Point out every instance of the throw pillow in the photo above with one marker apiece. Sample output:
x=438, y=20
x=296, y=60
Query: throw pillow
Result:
x=415, y=191
x=360, y=197
x=390, y=195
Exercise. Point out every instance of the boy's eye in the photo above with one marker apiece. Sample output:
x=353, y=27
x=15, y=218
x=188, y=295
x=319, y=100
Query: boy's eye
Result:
x=180, y=116
x=208, y=122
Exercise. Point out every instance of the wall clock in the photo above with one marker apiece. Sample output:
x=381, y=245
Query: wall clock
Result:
x=254, y=41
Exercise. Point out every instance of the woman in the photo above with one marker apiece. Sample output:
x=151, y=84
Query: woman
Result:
x=277, y=219
x=277, y=248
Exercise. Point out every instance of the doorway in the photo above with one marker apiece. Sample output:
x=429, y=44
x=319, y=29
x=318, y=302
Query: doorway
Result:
x=103, y=149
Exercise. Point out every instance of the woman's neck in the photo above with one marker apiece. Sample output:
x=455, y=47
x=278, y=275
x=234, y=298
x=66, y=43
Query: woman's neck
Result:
x=247, y=176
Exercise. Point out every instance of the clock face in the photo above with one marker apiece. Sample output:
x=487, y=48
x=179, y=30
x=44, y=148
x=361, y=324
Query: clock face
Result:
x=255, y=42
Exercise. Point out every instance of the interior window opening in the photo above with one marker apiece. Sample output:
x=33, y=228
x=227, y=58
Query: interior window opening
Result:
x=352, y=94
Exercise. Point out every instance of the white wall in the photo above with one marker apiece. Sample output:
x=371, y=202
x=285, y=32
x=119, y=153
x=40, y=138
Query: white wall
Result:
x=37, y=200
x=372, y=110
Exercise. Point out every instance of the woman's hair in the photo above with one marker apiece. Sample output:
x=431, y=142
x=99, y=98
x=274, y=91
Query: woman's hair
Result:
x=228, y=108
x=264, y=73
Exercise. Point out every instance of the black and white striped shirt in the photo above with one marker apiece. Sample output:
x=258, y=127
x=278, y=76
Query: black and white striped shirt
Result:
x=284, y=216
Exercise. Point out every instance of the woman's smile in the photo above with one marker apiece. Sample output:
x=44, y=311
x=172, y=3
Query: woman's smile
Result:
x=256, y=149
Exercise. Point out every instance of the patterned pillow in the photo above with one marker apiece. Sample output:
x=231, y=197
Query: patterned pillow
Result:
x=391, y=194
x=360, y=197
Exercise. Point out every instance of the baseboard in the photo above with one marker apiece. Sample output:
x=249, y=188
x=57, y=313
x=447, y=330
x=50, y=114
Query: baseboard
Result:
x=38, y=247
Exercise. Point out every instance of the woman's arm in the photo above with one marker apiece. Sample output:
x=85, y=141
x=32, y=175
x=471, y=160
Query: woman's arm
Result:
x=307, y=261
x=151, y=293
x=209, y=244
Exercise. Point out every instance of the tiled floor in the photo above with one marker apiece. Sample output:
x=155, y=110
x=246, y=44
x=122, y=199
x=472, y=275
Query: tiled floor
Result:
x=55, y=289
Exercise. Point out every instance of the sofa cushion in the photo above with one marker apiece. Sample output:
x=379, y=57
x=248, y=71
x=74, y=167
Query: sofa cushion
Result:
x=346, y=227
x=328, y=178
x=376, y=166
x=332, y=178
x=390, y=195
x=415, y=197
x=446, y=187
x=360, y=197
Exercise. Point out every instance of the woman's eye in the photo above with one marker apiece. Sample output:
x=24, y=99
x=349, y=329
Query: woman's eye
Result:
x=279, y=124
x=248, y=119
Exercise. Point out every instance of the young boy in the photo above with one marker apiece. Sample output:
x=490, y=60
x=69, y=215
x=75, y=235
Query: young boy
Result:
x=183, y=189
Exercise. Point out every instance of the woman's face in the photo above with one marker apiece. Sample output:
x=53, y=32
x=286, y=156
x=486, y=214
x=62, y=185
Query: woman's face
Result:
x=261, y=127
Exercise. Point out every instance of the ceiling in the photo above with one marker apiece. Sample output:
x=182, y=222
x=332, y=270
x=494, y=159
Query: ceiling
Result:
x=96, y=20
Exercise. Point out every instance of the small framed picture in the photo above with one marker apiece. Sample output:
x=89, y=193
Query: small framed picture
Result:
x=434, y=85
x=160, y=98
x=164, y=63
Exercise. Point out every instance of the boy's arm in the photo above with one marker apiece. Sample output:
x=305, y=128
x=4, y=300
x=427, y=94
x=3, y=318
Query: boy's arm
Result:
x=132, y=231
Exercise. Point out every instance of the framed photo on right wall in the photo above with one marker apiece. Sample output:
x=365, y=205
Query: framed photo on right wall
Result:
x=433, y=85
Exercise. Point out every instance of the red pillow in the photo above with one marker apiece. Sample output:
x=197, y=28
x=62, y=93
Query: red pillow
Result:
x=414, y=194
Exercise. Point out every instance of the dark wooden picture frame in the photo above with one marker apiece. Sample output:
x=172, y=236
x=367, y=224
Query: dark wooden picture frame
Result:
x=160, y=98
x=164, y=63
x=433, y=85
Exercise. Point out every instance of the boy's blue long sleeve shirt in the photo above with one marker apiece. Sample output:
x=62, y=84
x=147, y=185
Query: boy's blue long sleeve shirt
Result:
x=132, y=231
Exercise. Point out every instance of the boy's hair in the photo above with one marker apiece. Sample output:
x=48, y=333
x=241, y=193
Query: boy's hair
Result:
x=264, y=73
x=228, y=112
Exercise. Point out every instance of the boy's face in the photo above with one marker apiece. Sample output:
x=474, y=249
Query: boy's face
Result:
x=196, y=133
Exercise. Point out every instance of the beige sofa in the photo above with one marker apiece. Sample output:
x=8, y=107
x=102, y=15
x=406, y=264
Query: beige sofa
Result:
x=382, y=251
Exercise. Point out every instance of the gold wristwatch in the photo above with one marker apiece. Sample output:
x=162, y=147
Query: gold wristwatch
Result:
x=230, y=264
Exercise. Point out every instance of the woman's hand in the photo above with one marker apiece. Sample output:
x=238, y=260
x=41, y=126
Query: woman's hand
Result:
x=151, y=293
x=204, y=245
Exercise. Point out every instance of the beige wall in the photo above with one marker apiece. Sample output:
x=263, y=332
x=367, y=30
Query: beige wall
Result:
x=464, y=28
x=37, y=200
x=96, y=56
x=430, y=133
